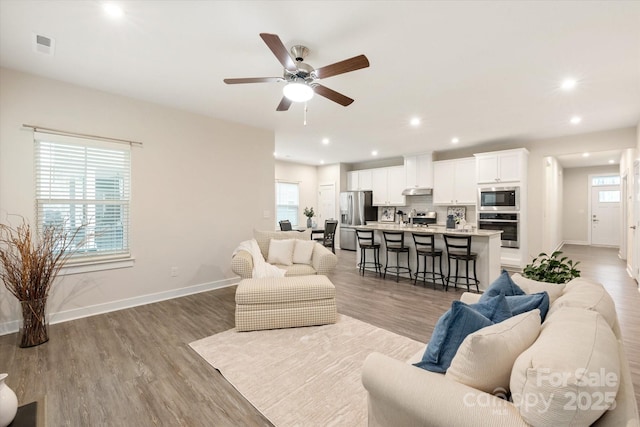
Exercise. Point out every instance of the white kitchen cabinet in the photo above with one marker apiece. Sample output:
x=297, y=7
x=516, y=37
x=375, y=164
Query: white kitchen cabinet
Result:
x=364, y=178
x=454, y=182
x=419, y=170
x=501, y=166
x=352, y=181
x=359, y=180
x=387, y=185
x=396, y=181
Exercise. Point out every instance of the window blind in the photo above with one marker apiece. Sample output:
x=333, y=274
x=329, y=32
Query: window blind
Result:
x=84, y=182
x=287, y=201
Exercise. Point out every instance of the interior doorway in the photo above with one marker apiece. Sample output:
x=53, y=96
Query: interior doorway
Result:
x=605, y=220
x=635, y=226
x=326, y=202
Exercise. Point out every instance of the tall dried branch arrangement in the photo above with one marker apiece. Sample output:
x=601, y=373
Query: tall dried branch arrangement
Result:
x=30, y=264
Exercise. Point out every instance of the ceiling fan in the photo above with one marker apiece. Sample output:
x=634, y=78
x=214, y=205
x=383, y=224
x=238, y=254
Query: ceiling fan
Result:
x=300, y=77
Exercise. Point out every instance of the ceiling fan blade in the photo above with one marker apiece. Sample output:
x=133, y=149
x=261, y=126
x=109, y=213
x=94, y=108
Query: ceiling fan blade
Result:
x=332, y=95
x=253, y=80
x=277, y=47
x=284, y=104
x=351, y=64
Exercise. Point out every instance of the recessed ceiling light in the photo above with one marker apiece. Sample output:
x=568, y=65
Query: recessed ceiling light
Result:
x=325, y=141
x=611, y=161
x=322, y=162
x=575, y=120
x=585, y=154
x=569, y=84
x=275, y=154
x=113, y=10
x=455, y=140
x=374, y=153
x=415, y=121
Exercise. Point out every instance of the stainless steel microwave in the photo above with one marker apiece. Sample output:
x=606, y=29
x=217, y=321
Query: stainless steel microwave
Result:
x=499, y=199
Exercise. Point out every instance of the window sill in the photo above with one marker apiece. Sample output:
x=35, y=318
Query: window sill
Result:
x=88, y=266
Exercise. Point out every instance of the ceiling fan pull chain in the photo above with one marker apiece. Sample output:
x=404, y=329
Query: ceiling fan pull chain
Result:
x=305, y=114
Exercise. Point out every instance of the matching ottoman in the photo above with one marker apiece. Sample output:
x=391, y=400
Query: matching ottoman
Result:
x=285, y=302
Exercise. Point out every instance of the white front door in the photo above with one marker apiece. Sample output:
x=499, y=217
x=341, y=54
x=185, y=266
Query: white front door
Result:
x=605, y=215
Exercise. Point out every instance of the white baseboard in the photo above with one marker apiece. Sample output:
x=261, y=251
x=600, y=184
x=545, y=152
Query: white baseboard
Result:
x=574, y=242
x=78, y=313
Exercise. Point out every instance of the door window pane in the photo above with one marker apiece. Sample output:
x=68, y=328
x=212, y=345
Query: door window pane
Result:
x=609, y=196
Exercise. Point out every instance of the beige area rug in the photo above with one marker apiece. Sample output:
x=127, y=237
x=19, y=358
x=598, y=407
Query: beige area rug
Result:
x=304, y=376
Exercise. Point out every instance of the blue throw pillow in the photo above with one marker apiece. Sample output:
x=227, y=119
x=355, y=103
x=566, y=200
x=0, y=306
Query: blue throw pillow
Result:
x=451, y=329
x=522, y=303
x=503, y=284
x=495, y=308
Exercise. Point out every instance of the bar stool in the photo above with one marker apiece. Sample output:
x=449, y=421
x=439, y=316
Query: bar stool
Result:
x=394, y=241
x=459, y=249
x=367, y=242
x=425, y=248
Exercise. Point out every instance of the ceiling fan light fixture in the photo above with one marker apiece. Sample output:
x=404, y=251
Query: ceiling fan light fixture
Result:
x=297, y=92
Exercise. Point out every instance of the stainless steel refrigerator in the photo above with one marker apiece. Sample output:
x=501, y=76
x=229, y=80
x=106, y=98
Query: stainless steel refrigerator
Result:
x=356, y=208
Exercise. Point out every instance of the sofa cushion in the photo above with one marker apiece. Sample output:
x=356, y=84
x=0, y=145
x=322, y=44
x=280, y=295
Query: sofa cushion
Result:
x=485, y=358
x=570, y=375
x=587, y=294
x=522, y=303
x=503, y=284
x=298, y=270
x=281, y=251
x=264, y=237
x=451, y=329
x=302, y=251
x=531, y=286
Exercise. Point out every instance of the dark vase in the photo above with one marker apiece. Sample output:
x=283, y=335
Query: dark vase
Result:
x=34, y=329
x=309, y=224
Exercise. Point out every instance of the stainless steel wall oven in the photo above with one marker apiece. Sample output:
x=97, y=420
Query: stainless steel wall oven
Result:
x=507, y=222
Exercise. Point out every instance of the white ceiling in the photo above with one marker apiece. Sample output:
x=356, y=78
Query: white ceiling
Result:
x=483, y=71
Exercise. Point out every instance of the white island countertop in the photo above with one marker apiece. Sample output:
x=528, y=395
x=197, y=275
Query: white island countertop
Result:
x=432, y=229
x=485, y=243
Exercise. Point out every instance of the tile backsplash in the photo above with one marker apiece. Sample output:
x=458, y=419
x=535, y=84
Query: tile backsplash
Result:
x=425, y=203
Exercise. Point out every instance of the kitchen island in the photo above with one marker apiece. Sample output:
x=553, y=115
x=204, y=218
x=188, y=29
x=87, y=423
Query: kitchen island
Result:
x=486, y=243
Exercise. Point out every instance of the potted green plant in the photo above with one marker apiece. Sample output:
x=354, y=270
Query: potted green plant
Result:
x=551, y=268
x=309, y=214
x=29, y=265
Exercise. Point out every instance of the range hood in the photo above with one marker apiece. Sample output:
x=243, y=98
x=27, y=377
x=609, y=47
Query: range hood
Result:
x=417, y=191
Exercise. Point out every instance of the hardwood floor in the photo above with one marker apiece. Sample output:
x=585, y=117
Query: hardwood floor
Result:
x=134, y=367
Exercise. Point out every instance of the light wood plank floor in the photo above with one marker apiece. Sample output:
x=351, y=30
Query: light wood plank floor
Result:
x=134, y=367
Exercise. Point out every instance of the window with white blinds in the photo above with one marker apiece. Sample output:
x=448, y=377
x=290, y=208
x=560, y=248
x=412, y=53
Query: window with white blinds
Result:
x=84, y=182
x=287, y=201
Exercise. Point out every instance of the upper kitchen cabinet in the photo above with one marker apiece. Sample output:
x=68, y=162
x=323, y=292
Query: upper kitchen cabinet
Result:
x=387, y=185
x=501, y=166
x=359, y=180
x=454, y=182
x=419, y=170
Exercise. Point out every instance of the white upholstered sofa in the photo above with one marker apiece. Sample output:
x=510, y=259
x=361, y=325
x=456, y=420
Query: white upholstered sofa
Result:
x=321, y=261
x=575, y=372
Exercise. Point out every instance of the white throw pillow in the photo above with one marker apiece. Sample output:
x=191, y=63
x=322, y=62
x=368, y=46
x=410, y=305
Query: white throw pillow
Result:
x=570, y=376
x=302, y=251
x=485, y=358
x=281, y=251
x=533, y=287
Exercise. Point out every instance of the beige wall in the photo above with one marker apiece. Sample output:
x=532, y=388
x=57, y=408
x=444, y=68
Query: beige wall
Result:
x=306, y=177
x=554, y=209
x=200, y=186
x=576, y=221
